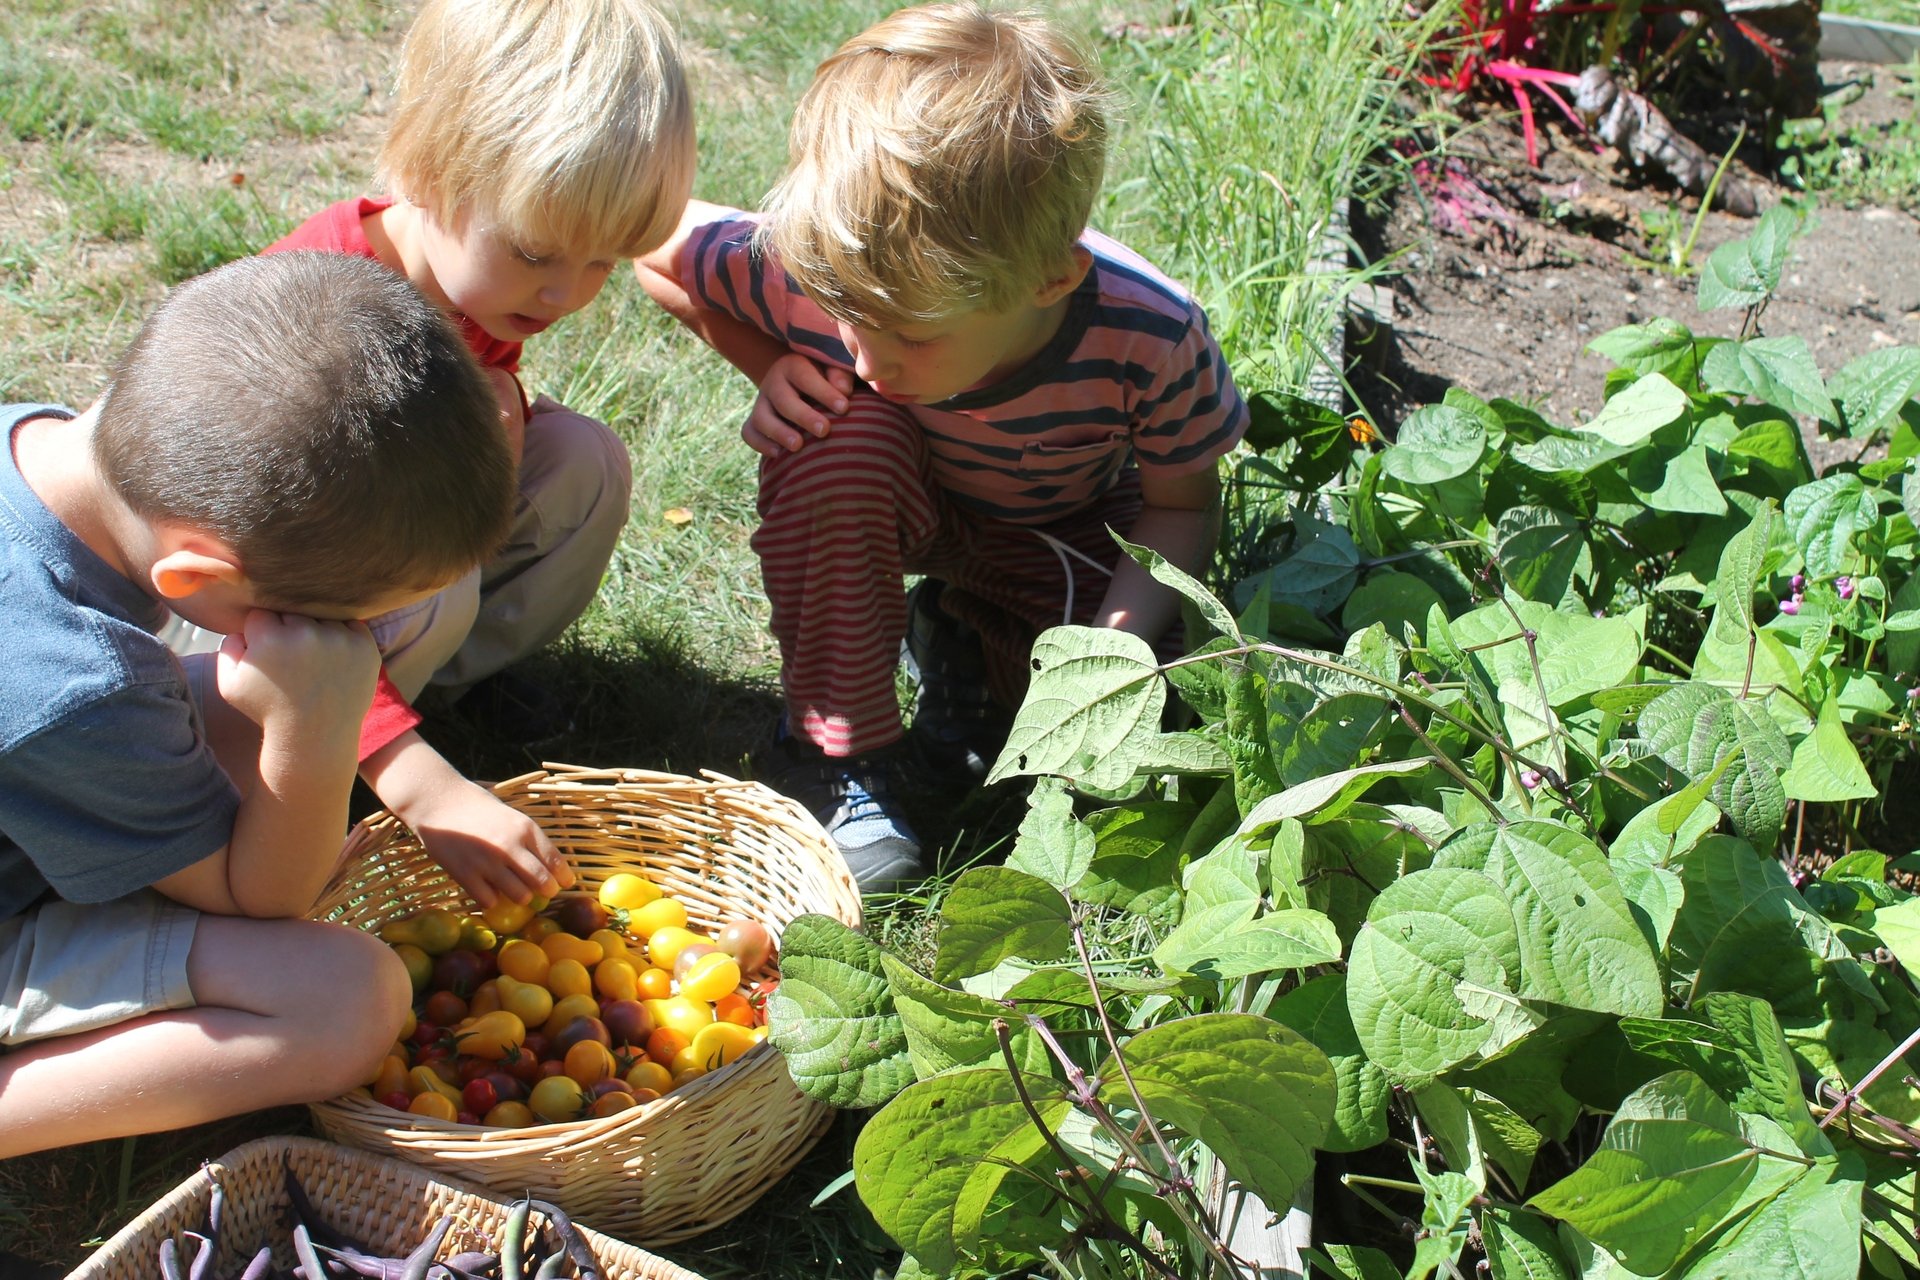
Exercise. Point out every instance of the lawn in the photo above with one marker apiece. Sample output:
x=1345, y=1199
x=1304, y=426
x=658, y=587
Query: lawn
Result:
x=147, y=140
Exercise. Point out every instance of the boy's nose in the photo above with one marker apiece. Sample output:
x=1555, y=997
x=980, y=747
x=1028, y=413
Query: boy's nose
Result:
x=865, y=365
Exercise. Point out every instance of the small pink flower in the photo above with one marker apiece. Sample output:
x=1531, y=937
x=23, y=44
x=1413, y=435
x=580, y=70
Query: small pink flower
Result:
x=1789, y=607
x=1913, y=694
x=1530, y=778
x=1799, y=582
x=1844, y=585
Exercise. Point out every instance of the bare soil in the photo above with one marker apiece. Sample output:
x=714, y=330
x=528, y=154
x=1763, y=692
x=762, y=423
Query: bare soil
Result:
x=1504, y=281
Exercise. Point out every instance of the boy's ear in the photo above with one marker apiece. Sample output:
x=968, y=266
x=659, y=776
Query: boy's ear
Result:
x=188, y=563
x=1068, y=280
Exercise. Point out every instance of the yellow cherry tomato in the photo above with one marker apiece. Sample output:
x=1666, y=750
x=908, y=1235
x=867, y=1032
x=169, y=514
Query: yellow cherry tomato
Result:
x=645, y=921
x=688, y=1075
x=648, y=1074
x=426, y=1080
x=664, y=947
x=392, y=1076
x=539, y=928
x=419, y=965
x=625, y=891
x=719, y=1043
x=494, y=1036
x=434, y=1106
x=569, y=978
x=400, y=933
x=506, y=916
x=712, y=976
x=528, y=1001
x=678, y=1013
x=508, y=1115
x=475, y=935
x=616, y=980
x=613, y=946
x=565, y=1010
x=524, y=961
x=436, y=931
x=557, y=1098
x=564, y=946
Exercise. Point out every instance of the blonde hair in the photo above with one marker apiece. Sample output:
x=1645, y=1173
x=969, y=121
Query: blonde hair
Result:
x=944, y=160
x=567, y=123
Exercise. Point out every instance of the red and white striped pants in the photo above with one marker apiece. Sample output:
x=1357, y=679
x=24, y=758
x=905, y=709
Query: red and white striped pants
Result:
x=844, y=518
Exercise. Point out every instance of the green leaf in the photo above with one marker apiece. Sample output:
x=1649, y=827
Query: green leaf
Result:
x=1823, y=517
x=833, y=1017
x=1743, y=564
x=1810, y=1230
x=1436, y=442
x=1427, y=935
x=1671, y=1167
x=992, y=913
x=1353, y=1262
x=1137, y=856
x=1779, y=371
x=1688, y=486
x=912, y=1161
x=1875, y=387
x=1826, y=766
x=1052, y=844
x=1218, y=616
x=1363, y=1098
x=1326, y=798
x=1538, y=548
x=1660, y=346
x=1520, y=1246
x=1745, y=272
x=1743, y=928
x=1694, y=725
x=1578, y=943
x=1320, y=572
x=1092, y=709
x=1291, y=938
x=948, y=1028
x=1258, y=1094
x=1898, y=928
x=1318, y=434
x=1638, y=411
x=1392, y=599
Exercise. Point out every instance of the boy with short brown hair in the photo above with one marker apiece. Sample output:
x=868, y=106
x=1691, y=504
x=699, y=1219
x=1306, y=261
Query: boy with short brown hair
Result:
x=291, y=445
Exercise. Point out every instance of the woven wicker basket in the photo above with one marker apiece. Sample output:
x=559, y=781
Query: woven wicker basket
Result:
x=385, y=1204
x=691, y=1160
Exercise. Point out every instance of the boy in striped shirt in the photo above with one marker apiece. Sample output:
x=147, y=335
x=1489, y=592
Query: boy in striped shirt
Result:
x=957, y=379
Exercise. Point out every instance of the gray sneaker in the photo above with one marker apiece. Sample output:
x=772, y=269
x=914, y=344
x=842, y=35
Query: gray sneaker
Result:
x=852, y=799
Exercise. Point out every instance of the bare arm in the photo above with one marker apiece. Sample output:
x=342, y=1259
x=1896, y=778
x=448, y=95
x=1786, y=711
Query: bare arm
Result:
x=745, y=347
x=291, y=695
x=1179, y=518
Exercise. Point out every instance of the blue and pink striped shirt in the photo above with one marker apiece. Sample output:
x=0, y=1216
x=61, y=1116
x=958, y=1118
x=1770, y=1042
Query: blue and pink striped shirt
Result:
x=1132, y=377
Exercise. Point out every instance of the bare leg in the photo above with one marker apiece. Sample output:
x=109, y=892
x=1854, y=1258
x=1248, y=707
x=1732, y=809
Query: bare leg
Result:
x=290, y=1011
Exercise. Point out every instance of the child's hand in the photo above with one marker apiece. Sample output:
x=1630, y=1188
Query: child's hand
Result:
x=491, y=849
x=296, y=671
x=793, y=394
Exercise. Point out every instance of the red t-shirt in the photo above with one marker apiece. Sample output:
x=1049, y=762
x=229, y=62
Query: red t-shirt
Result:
x=337, y=229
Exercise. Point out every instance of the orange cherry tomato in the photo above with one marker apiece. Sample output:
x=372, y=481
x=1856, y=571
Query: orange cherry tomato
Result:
x=589, y=1062
x=653, y=983
x=392, y=1076
x=664, y=1043
x=557, y=1098
x=486, y=998
x=733, y=1007
x=435, y=1106
x=508, y=1115
x=648, y=1074
x=612, y=1104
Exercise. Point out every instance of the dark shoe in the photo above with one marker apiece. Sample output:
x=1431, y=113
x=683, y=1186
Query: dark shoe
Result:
x=853, y=800
x=512, y=707
x=958, y=729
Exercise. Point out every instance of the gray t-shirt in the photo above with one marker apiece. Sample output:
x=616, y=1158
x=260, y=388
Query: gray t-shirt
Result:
x=107, y=783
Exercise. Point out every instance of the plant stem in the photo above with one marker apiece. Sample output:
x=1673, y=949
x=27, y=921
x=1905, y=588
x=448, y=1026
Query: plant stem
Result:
x=1446, y=762
x=1848, y=1096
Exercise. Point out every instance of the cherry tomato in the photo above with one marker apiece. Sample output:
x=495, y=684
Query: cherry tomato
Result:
x=688, y=1075
x=648, y=1074
x=557, y=1098
x=567, y=946
x=436, y=931
x=625, y=891
x=665, y=1042
x=569, y=978
x=664, y=945
x=444, y=1007
x=479, y=1096
x=509, y=1115
x=627, y=1022
x=688, y=954
x=461, y=972
x=524, y=961
x=392, y=1076
x=506, y=916
x=653, y=983
x=419, y=965
x=589, y=1030
x=528, y=1001
x=578, y=913
x=486, y=998
x=612, y=1104
x=589, y=1062
x=613, y=946
x=616, y=980
x=434, y=1106
x=748, y=941
x=716, y=1045
x=494, y=1036
x=711, y=977
x=565, y=1011
x=466, y=1117
x=398, y=1099
x=645, y=921
x=733, y=1007
x=538, y=928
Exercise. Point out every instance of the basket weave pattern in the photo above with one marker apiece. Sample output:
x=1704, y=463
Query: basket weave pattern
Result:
x=385, y=1204
x=689, y=1161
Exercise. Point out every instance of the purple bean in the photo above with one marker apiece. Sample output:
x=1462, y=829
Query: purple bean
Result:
x=305, y=1214
x=422, y=1257
x=201, y=1268
x=472, y=1262
x=170, y=1260
x=258, y=1267
x=576, y=1244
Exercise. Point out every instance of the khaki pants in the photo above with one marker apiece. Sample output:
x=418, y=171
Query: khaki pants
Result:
x=575, y=482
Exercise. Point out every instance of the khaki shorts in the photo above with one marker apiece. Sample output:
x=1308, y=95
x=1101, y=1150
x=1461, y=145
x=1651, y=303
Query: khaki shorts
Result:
x=67, y=968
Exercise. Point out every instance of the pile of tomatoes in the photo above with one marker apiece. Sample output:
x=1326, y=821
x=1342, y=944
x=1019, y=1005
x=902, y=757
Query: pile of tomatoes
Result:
x=585, y=1006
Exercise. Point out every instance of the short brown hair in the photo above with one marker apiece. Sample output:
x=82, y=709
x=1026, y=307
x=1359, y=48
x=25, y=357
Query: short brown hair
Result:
x=568, y=124
x=944, y=160
x=320, y=417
